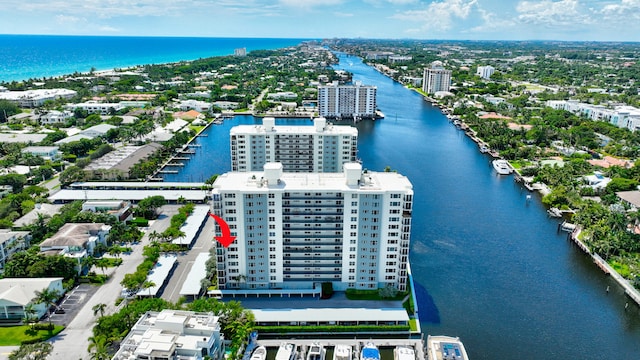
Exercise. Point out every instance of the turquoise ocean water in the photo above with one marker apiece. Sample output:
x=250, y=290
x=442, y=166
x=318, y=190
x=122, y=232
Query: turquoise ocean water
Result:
x=24, y=57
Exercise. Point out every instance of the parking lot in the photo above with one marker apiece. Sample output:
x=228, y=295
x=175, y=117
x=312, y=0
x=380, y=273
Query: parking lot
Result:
x=71, y=303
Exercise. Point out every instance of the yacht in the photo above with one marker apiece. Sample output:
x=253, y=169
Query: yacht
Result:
x=260, y=353
x=316, y=352
x=502, y=166
x=445, y=348
x=370, y=352
x=286, y=351
x=404, y=353
x=342, y=352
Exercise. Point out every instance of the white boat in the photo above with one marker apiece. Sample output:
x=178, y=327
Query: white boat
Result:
x=260, y=353
x=484, y=149
x=404, y=353
x=445, y=348
x=342, y=352
x=502, y=166
x=370, y=352
x=316, y=352
x=286, y=351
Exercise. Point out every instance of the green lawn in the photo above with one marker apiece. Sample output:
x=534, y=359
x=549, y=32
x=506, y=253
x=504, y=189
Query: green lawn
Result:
x=413, y=324
x=15, y=335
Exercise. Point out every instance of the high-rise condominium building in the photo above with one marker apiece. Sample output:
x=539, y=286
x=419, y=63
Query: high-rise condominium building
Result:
x=322, y=147
x=297, y=230
x=436, y=78
x=345, y=101
x=485, y=72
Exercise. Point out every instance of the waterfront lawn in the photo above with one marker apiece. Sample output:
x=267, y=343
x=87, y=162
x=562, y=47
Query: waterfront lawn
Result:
x=16, y=335
x=413, y=324
x=519, y=164
x=621, y=268
x=196, y=128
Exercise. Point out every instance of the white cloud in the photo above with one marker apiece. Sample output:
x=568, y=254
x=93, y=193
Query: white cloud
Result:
x=439, y=15
x=492, y=22
x=566, y=13
x=630, y=8
x=309, y=3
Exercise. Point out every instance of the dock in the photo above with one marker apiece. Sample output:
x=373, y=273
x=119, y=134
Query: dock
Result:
x=168, y=172
x=194, y=145
x=184, y=158
x=357, y=344
x=187, y=151
x=174, y=164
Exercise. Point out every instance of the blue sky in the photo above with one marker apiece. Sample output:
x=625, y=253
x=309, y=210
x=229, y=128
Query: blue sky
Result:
x=601, y=20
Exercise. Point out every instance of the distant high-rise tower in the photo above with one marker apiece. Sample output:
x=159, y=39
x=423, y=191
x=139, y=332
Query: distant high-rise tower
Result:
x=296, y=230
x=240, y=52
x=322, y=147
x=485, y=72
x=344, y=101
x=436, y=78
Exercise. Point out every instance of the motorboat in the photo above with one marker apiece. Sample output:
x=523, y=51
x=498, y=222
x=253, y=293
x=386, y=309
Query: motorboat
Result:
x=370, y=352
x=316, y=352
x=260, y=353
x=286, y=351
x=502, y=166
x=342, y=352
x=404, y=353
x=445, y=348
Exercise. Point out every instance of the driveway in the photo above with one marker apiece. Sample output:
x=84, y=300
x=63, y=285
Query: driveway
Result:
x=72, y=343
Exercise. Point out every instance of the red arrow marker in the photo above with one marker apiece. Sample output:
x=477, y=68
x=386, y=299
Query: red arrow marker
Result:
x=226, y=239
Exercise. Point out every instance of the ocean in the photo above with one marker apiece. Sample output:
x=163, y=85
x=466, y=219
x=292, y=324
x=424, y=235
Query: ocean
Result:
x=26, y=57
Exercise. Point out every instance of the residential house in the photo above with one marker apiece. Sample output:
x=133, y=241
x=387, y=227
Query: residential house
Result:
x=46, y=152
x=11, y=242
x=119, y=209
x=76, y=240
x=18, y=293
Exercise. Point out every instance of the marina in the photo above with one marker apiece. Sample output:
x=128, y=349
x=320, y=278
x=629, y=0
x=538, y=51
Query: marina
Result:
x=343, y=349
x=550, y=288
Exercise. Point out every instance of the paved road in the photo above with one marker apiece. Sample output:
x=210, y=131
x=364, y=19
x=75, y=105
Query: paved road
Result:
x=203, y=243
x=72, y=343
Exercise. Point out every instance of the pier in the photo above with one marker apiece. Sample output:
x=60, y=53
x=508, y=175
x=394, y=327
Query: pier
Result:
x=184, y=158
x=174, y=164
x=168, y=172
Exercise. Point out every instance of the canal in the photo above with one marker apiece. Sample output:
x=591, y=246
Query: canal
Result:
x=489, y=265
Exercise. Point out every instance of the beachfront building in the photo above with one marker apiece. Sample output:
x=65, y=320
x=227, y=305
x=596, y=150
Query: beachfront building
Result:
x=297, y=230
x=346, y=101
x=436, y=78
x=485, y=72
x=622, y=116
x=240, y=52
x=35, y=98
x=322, y=147
x=173, y=334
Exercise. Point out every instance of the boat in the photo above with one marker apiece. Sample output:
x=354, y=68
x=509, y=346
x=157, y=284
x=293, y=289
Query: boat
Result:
x=445, y=348
x=260, y=353
x=286, y=351
x=502, y=166
x=554, y=212
x=370, y=352
x=484, y=149
x=342, y=352
x=404, y=353
x=316, y=352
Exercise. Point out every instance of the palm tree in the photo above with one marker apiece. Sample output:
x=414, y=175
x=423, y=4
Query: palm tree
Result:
x=30, y=315
x=47, y=297
x=37, y=351
x=98, y=348
x=102, y=263
x=99, y=308
x=148, y=284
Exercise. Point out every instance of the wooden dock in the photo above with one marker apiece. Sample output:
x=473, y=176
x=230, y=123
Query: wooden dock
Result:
x=168, y=172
